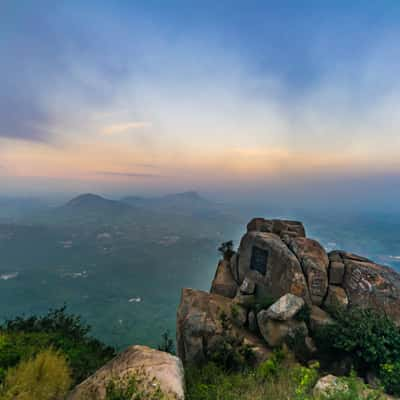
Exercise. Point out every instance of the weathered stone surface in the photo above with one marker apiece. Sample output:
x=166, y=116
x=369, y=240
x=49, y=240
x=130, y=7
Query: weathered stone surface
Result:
x=248, y=286
x=336, y=297
x=279, y=227
x=336, y=272
x=265, y=259
x=223, y=282
x=315, y=262
x=329, y=385
x=335, y=255
x=152, y=367
x=318, y=319
x=199, y=326
x=285, y=308
x=275, y=333
x=371, y=285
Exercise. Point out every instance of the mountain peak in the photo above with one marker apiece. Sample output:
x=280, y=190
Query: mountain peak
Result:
x=85, y=199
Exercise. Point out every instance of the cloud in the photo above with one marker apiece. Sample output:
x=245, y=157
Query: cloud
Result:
x=129, y=174
x=126, y=127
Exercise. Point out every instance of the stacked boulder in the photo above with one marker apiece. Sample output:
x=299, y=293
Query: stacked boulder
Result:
x=276, y=260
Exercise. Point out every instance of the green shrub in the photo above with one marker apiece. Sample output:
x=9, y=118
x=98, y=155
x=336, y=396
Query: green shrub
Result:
x=213, y=383
x=272, y=367
x=135, y=387
x=44, y=377
x=22, y=338
x=167, y=343
x=261, y=303
x=230, y=352
x=370, y=338
x=389, y=374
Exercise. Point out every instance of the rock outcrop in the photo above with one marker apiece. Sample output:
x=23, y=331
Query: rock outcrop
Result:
x=153, y=370
x=200, y=326
x=279, y=287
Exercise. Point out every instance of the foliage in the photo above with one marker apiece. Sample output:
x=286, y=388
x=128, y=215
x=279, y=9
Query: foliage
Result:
x=370, y=338
x=272, y=380
x=44, y=377
x=135, y=387
x=272, y=367
x=167, y=343
x=305, y=379
x=230, y=352
x=213, y=383
x=355, y=389
x=22, y=338
x=304, y=314
x=226, y=249
x=389, y=374
x=261, y=303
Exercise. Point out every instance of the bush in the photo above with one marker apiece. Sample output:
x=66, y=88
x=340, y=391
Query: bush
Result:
x=226, y=250
x=167, y=343
x=371, y=339
x=389, y=375
x=22, y=338
x=231, y=353
x=136, y=387
x=44, y=377
x=261, y=303
x=213, y=383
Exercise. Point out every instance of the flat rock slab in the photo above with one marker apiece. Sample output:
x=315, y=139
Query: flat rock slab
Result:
x=154, y=368
x=285, y=308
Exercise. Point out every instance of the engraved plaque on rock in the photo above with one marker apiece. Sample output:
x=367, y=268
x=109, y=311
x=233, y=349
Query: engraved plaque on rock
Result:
x=259, y=260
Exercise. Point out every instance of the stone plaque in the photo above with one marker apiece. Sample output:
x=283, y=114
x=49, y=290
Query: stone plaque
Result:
x=259, y=260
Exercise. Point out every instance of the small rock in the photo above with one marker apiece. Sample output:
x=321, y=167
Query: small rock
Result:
x=329, y=385
x=285, y=308
x=248, y=286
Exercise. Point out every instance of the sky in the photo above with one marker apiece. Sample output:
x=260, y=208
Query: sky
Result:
x=235, y=98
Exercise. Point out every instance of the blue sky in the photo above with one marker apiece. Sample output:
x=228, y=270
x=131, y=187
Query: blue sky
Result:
x=161, y=94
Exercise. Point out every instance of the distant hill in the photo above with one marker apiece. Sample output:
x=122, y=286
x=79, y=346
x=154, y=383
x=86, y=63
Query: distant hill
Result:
x=186, y=203
x=93, y=203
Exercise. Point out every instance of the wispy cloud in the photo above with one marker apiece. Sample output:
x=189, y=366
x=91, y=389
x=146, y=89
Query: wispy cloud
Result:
x=129, y=174
x=126, y=127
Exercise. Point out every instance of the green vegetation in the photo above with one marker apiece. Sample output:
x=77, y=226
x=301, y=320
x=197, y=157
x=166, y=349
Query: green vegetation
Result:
x=45, y=376
x=24, y=338
x=226, y=249
x=370, y=339
x=136, y=388
x=275, y=379
x=231, y=353
x=167, y=343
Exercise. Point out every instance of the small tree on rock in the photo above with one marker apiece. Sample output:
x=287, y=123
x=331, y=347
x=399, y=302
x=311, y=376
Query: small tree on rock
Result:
x=226, y=250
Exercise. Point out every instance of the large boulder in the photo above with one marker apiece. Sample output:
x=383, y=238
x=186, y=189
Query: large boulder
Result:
x=266, y=260
x=154, y=370
x=223, y=282
x=276, y=333
x=315, y=262
x=371, y=285
x=282, y=228
x=201, y=327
